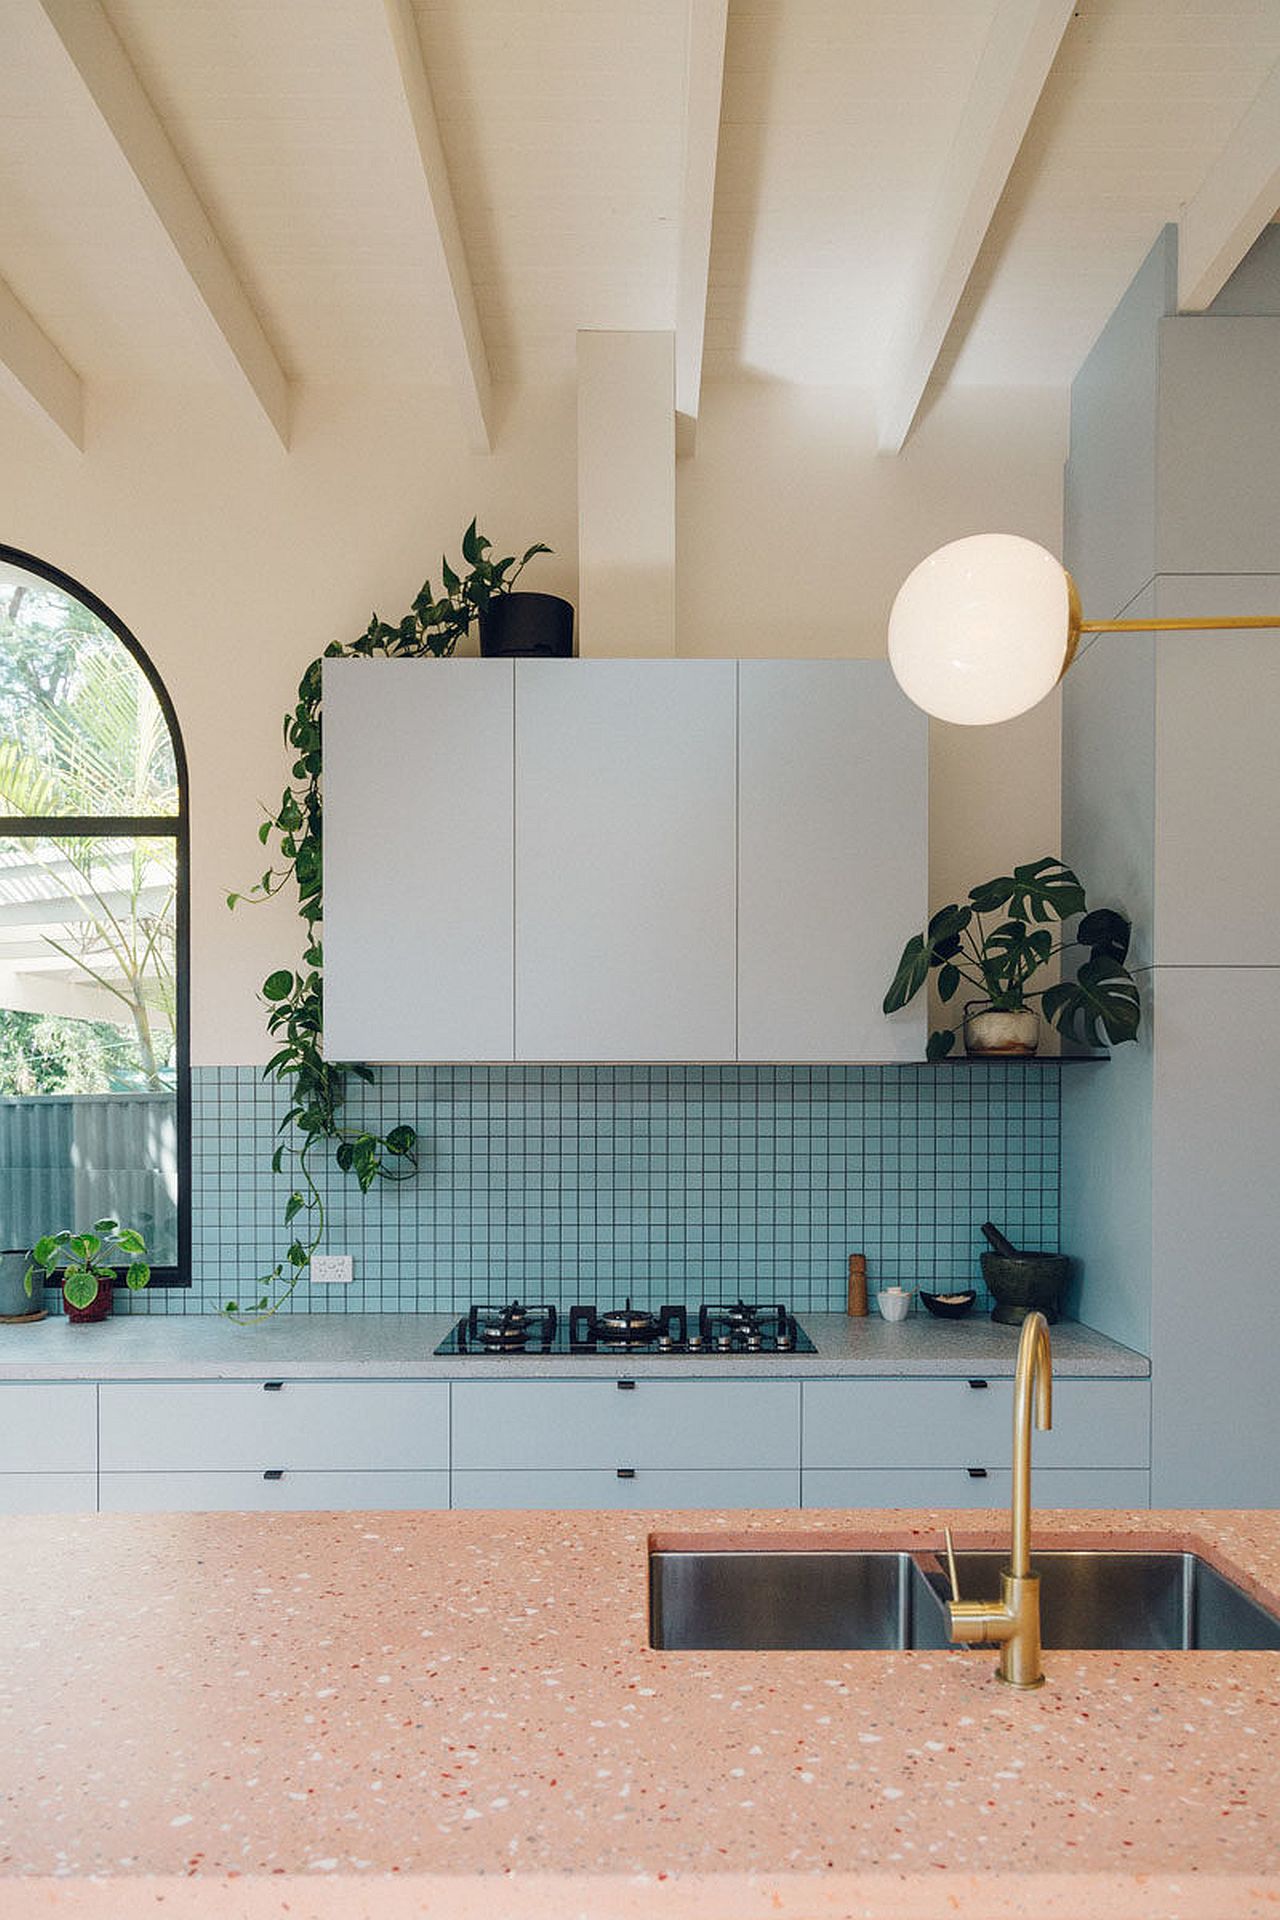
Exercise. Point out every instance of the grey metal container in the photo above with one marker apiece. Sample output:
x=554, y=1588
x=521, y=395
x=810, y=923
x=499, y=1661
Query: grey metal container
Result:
x=14, y=1298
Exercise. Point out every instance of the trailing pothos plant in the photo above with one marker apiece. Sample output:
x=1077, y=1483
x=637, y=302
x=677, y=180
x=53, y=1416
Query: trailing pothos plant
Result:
x=314, y=1121
x=1001, y=960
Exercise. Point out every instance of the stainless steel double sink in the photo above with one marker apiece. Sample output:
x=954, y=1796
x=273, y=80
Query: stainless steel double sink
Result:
x=852, y=1600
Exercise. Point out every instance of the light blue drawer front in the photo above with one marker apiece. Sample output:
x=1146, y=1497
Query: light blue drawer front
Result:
x=48, y=1426
x=247, y=1426
x=254, y=1493
x=647, y=1489
x=520, y=1424
x=954, y=1487
x=48, y=1492
x=956, y=1423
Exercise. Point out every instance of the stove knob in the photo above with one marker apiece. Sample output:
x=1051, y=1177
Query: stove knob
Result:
x=665, y=1343
x=785, y=1342
x=694, y=1343
x=755, y=1342
x=724, y=1341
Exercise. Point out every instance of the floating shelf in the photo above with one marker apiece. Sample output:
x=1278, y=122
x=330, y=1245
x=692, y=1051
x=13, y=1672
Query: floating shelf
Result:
x=1019, y=1060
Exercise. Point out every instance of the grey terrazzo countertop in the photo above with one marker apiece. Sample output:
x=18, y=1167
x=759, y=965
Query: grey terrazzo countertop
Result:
x=401, y=1345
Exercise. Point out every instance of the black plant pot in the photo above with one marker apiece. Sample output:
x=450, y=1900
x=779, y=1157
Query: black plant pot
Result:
x=537, y=624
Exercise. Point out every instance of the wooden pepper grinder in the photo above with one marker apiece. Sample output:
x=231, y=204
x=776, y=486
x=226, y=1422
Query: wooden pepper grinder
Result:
x=858, y=1285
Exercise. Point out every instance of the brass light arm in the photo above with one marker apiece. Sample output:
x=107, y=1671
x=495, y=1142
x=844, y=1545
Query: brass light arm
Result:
x=1221, y=623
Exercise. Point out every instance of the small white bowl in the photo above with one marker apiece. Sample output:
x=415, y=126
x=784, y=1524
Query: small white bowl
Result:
x=894, y=1302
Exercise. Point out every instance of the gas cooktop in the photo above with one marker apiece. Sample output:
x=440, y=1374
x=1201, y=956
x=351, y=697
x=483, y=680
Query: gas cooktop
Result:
x=713, y=1327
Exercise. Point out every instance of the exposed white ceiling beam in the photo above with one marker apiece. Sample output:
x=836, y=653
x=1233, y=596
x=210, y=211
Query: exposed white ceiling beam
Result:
x=35, y=373
x=466, y=344
x=1019, y=51
x=1238, y=198
x=704, y=83
x=108, y=75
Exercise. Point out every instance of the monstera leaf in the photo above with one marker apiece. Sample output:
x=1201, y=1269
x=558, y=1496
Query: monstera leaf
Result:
x=1043, y=889
x=1102, y=994
x=1105, y=931
x=938, y=945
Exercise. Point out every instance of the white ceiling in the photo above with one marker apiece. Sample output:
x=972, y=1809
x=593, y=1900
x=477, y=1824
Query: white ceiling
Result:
x=562, y=125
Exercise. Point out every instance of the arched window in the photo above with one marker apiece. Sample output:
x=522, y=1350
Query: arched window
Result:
x=94, y=1078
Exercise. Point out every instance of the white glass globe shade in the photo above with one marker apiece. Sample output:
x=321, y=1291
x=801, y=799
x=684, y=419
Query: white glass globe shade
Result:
x=979, y=630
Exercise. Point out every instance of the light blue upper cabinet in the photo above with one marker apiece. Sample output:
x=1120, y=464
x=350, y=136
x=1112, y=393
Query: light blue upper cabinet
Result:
x=832, y=859
x=418, y=864
x=624, y=899
x=620, y=860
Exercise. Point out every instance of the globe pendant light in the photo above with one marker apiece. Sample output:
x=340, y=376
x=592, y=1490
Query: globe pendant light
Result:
x=983, y=629
x=986, y=627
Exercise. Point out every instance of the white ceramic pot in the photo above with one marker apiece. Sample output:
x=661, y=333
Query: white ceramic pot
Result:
x=986, y=1031
x=894, y=1302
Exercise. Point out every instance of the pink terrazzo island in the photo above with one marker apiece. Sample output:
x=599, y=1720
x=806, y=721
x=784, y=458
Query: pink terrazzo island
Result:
x=459, y=1715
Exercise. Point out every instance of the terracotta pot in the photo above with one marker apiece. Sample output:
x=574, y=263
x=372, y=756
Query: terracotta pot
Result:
x=98, y=1308
x=989, y=1031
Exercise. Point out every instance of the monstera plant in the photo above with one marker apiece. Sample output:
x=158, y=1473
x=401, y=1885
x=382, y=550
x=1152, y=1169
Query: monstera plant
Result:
x=1003, y=936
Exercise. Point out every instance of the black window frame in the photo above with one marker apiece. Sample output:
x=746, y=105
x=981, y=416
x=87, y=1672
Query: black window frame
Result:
x=175, y=827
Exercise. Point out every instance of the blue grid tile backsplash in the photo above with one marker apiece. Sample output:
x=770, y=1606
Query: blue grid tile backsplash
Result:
x=661, y=1182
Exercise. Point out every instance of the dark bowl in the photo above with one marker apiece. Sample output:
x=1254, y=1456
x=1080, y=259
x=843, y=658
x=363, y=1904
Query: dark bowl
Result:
x=949, y=1309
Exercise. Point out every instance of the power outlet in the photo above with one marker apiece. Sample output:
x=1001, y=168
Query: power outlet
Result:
x=331, y=1269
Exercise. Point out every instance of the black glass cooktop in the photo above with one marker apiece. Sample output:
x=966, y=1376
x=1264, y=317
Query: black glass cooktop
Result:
x=713, y=1327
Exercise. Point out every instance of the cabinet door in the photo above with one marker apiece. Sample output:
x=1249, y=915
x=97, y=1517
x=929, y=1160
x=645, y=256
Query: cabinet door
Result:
x=515, y=1425
x=286, y=1493
x=832, y=859
x=417, y=860
x=625, y=814
x=643, y=1488
x=1215, y=1213
x=255, y=1426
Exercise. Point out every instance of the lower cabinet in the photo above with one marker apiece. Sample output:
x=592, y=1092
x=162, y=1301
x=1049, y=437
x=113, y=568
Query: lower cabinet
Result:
x=279, y=1445
x=272, y=1445
x=926, y=1443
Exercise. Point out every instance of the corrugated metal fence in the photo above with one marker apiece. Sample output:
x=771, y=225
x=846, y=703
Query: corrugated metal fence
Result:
x=70, y=1159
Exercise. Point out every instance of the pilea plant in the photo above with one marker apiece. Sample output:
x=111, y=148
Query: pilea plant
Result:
x=1001, y=960
x=88, y=1261
x=314, y=1121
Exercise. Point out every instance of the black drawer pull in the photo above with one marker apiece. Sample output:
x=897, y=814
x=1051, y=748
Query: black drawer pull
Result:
x=274, y=1473
x=979, y=1386
x=626, y=1473
x=626, y=1386
x=273, y=1386
x=976, y=1473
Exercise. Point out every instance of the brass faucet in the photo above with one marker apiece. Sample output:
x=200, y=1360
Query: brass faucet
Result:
x=1013, y=1621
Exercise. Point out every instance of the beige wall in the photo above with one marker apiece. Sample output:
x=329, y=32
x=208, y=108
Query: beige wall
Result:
x=794, y=534
x=235, y=564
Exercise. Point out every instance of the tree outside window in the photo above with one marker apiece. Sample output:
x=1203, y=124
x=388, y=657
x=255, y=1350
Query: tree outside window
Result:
x=91, y=832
